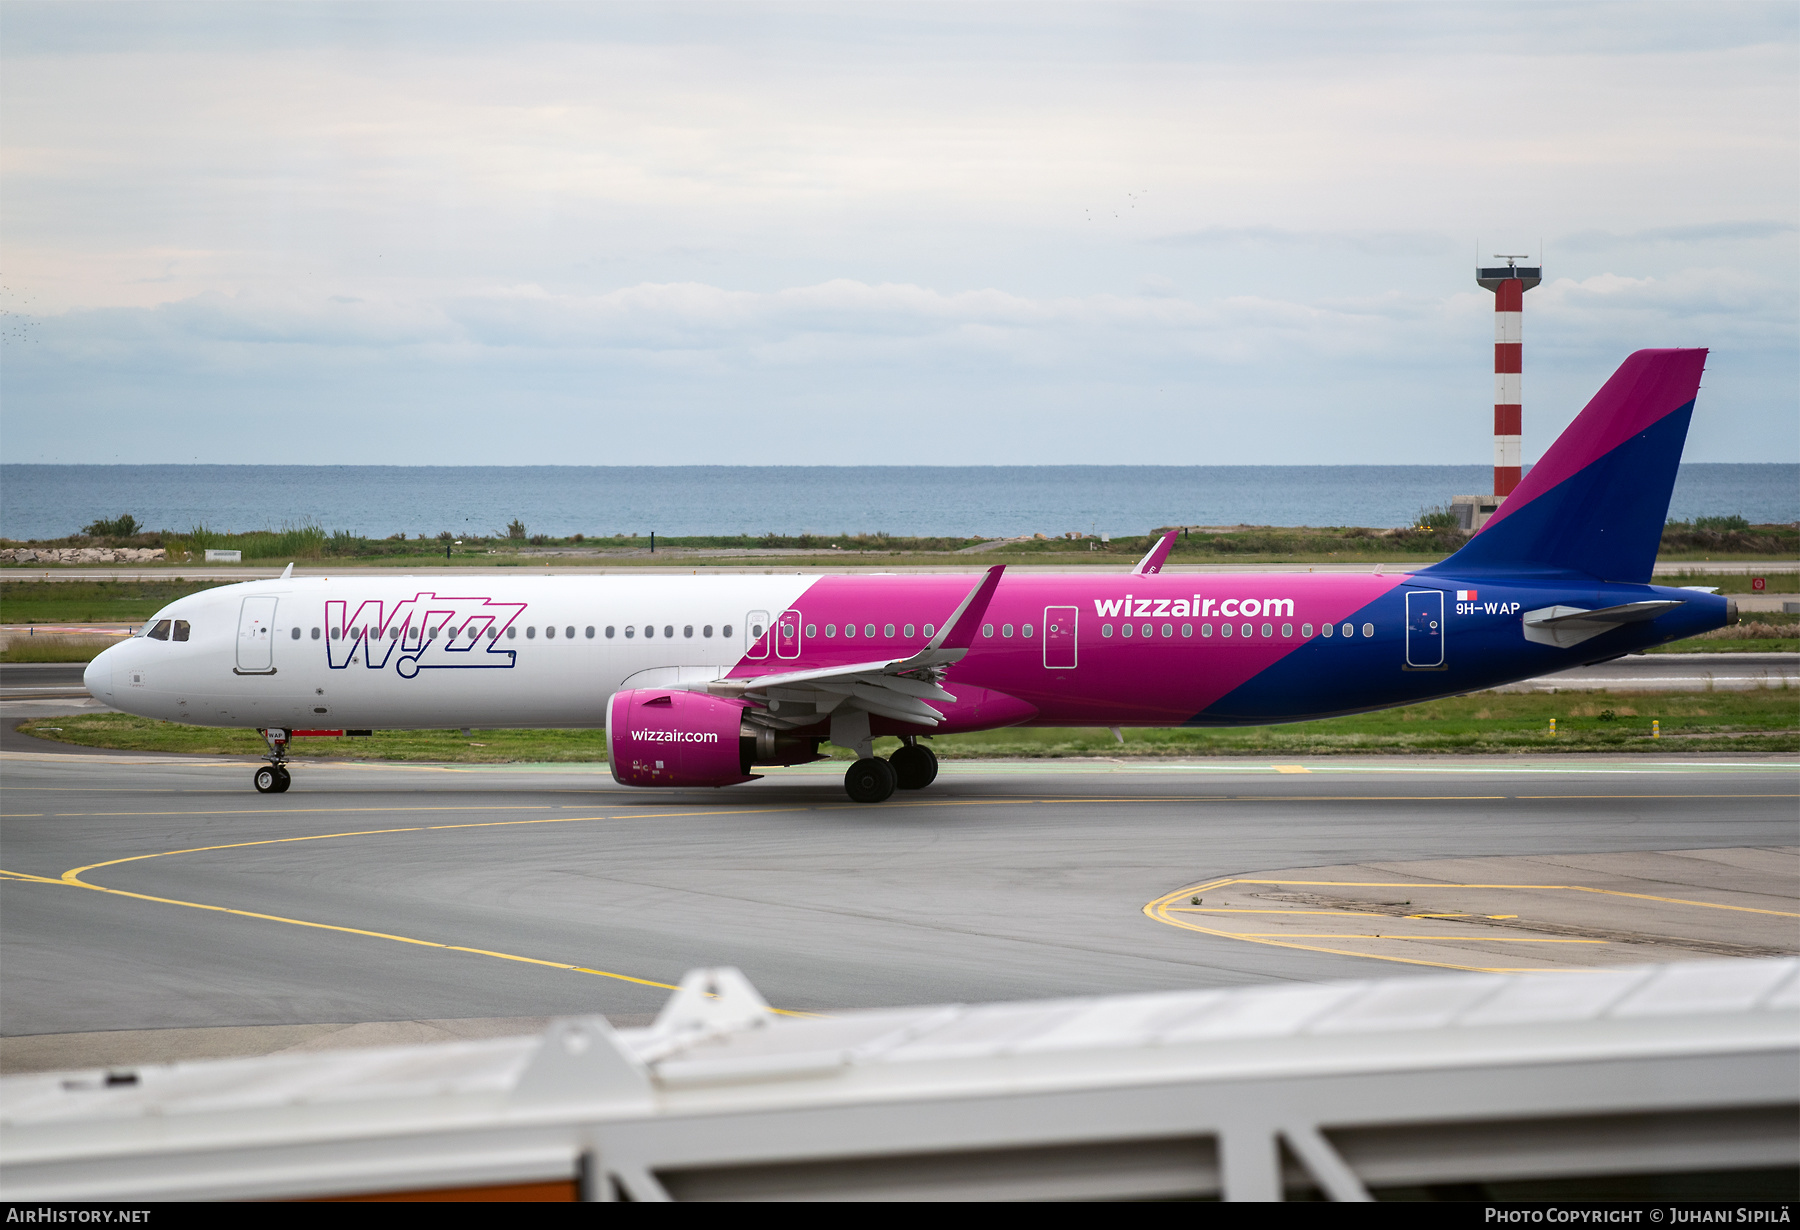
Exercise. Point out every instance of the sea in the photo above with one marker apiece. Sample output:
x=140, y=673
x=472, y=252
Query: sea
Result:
x=50, y=501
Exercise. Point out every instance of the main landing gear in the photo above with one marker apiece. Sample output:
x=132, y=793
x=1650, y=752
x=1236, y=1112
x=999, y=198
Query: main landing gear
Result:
x=273, y=777
x=874, y=780
x=915, y=766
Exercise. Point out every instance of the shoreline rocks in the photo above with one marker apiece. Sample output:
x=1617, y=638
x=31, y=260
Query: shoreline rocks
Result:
x=83, y=555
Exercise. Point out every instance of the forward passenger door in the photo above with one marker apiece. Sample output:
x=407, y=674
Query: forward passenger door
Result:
x=256, y=639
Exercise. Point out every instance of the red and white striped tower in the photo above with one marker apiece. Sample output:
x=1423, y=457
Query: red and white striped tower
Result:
x=1509, y=285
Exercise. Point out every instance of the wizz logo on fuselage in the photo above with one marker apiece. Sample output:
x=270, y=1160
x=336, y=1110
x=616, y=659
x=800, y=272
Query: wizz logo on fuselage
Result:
x=424, y=631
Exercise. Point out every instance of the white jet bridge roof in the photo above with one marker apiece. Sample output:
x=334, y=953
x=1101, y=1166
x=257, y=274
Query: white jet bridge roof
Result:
x=1242, y=1092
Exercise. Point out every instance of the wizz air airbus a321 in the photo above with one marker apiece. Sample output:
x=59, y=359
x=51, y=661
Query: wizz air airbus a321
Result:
x=698, y=680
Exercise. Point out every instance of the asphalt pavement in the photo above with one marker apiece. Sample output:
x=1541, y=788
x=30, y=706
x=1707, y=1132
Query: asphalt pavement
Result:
x=150, y=893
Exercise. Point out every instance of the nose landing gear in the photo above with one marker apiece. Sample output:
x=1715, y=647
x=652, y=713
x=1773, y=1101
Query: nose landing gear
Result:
x=273, y=778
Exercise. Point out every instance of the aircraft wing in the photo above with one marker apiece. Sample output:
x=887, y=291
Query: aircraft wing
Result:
x=1152, y=563
x=895, y=688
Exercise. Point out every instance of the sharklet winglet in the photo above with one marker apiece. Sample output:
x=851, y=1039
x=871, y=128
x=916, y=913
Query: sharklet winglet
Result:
x=1152, y=563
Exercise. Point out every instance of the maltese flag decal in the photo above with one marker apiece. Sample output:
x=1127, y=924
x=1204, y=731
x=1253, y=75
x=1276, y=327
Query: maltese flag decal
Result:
x=1465, y=595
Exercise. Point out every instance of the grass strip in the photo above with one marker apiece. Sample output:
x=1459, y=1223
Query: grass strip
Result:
x=122, y=601
x=1763, y=720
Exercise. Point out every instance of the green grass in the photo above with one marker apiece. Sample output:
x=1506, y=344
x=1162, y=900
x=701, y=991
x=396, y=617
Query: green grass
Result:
x=55, y=602
x=1700, y=644
x=1731, y=582
x=52, y=649
x=1197, y=546
x=136, y=734
x=1488, y=722
x=1757, y=632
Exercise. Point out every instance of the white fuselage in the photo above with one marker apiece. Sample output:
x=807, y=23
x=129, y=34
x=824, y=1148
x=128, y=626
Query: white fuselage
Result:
x=365, y=652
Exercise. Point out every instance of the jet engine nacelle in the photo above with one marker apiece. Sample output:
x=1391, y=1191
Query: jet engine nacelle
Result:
x=657, y=737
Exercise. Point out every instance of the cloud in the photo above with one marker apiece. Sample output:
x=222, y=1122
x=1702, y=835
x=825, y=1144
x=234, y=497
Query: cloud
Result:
x=1698, y=233
x=1371, y=243
x=991, y=224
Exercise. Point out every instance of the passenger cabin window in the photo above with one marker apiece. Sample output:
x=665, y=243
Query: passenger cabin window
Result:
x=570, y=632
x=531, y=633
x=315, y=634
x=928, y=631
x=649, y=630
x=725, y=631
x=629, y=632
x=512, y=634
x=668, y=629
x=590, y=632
x=609, y=631
x=159, y=631
x=296, y=635
x=706, y=631
x=688, y=631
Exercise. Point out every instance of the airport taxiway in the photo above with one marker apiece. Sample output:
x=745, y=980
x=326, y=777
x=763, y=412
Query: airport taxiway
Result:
x=154, y=893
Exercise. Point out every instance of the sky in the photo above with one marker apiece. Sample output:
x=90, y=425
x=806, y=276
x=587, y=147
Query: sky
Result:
x=839, y=234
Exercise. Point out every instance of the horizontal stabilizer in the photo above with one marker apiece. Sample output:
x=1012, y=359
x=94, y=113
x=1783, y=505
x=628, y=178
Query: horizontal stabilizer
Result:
x=1564, y=626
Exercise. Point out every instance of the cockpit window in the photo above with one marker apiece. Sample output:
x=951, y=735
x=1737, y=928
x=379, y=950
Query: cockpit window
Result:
x=181, y=630
x=159, y=631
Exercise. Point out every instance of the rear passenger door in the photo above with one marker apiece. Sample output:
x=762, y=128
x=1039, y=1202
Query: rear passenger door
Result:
x=1425, y=629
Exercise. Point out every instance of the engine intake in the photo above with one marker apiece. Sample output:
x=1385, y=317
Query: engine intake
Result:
x=658, y=737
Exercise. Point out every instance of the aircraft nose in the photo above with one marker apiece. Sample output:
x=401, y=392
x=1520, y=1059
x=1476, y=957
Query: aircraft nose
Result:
x=97, y=678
